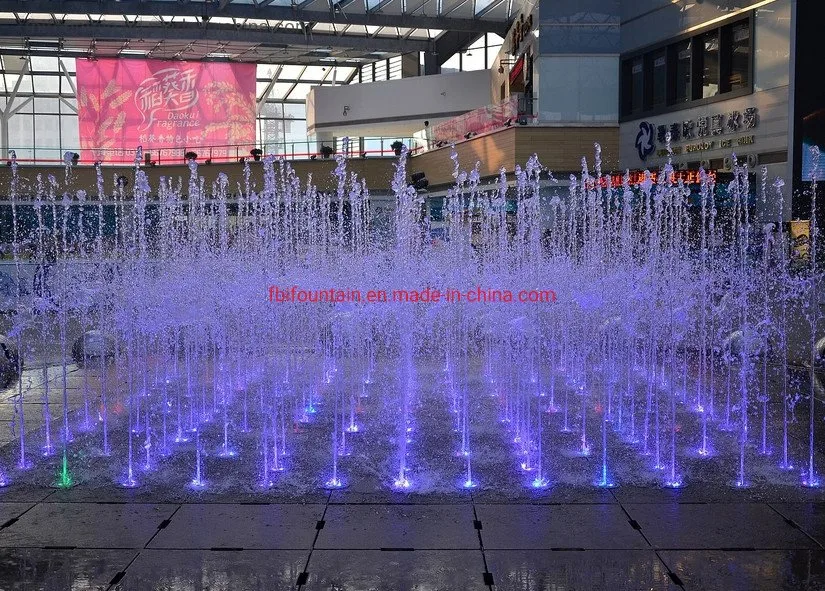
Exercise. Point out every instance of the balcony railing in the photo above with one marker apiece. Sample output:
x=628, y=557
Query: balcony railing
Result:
x=516, y=110
x=366, y=147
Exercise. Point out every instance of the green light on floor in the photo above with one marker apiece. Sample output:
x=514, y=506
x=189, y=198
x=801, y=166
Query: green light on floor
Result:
x=64, y=479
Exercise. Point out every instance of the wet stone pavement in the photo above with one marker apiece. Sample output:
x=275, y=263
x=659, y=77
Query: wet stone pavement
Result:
x=345, y=543
x=162, y=535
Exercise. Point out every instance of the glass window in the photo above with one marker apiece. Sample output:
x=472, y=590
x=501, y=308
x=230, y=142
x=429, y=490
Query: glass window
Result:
x=271, y=134
x=637, y=85
x=47, y=136
x=473, y=59
x=279, y=90
x=266, y=70
x=25, y=83
x=710, y=64
x=21, y=136
x=295, y=111
x=366, y=73
x=295, y=130
x=373, y=146
x=682, y=52
x=46, y=105
x=740, y=58
x=68, y=106
x=47, y=84
x=395, y=67
x=44, y=64
x=66, y=87
x=300, y=92
x=291, y=72
x=23, y=104
x=314, y=73
x=270, y=109
x=480, y=42
x=659, y=70
x=451, y=65
x=380, y=70
x=260, y=88
x=492, y=52
x=70, y=134
x=341, y=74
x=69, y=62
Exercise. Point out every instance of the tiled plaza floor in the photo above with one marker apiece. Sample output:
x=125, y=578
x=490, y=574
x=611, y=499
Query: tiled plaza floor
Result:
x=364, y=538
x=346, y=544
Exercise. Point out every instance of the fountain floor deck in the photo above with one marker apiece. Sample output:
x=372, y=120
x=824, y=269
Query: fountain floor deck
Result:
x=502, y=535
x=569, y=539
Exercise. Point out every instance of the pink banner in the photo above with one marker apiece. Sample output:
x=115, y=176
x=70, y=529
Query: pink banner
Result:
x=479, y=120
x=165, y=107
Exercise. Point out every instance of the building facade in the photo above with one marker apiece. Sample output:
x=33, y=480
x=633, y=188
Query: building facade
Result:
x=699, y=83
x=708, y=85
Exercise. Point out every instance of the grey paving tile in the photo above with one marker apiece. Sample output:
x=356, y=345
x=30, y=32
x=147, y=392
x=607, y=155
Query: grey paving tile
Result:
x=12, y=510
x=714, y=570
x=241, y=526
x=716, y=526
x=514, y=527
x=706, y=492
x=199, y=570
x=33, y=569
x=444, y=570
x=86, y=525
x=20, y=493
x=590, y=570
x=809, y=516
x=557, y=493
x=398, y=526
x=389, y=497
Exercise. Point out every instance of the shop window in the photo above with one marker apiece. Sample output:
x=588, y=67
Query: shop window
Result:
x=637, y=85
x=682, y=71
x=708, y=65
x=709, y=44
x=659, y=78
x=739, y=56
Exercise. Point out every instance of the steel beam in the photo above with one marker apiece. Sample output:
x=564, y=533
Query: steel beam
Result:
x=84, y=53
x=204, y=10
x=186, y=32
x=451, y=43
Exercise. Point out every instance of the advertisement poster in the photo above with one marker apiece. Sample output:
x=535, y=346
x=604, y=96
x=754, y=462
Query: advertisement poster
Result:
x=165, y=107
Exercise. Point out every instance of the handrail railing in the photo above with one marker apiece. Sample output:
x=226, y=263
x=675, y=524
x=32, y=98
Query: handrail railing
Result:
x=368, y=147
x=512, y=111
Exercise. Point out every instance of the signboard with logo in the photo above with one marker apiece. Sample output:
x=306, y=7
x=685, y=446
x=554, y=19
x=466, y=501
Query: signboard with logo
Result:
x=164, y=106
x=519, y=31
x=708, y=132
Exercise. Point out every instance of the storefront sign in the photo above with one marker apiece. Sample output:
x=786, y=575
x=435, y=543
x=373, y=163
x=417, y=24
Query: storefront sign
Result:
x=521, y=28
x=702, y=128
x=636, y=178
